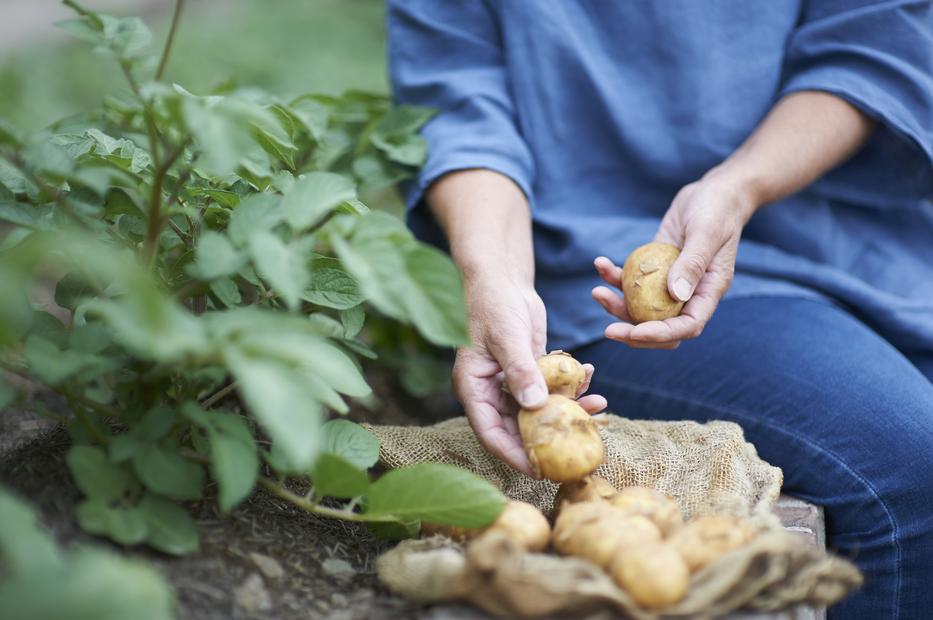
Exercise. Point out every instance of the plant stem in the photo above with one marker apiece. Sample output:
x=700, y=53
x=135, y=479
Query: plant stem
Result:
x=298, y=501
x=169, y=40
x=217, y=396
x=281, y=492
x=154, y=224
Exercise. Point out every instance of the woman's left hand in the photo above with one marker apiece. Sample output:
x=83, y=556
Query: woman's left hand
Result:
x=706, y=220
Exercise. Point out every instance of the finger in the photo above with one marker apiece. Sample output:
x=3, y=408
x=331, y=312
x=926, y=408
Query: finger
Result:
x=608, y=271
x=611, y=302
x=518, y=362
x=588, y=370
x=691, y=265
x=593, y=403
x=496, y=438
x=622, y=332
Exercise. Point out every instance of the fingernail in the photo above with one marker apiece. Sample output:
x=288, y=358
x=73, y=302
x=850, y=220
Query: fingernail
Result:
x=533, y=395
x=682, y=289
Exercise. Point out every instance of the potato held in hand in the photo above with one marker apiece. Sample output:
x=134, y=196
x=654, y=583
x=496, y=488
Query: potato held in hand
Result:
x=561, y=440
x=563, y=374
x=644, y=282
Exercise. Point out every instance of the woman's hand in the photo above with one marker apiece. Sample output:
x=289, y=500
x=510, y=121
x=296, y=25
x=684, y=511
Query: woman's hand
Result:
x=509, y=329
x=706, y=220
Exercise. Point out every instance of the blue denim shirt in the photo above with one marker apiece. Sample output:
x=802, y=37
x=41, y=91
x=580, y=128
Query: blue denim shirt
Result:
x=600, y=110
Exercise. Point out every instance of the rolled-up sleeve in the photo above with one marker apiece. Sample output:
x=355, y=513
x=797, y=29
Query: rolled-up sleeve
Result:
x=878, y=55
x=447, y=54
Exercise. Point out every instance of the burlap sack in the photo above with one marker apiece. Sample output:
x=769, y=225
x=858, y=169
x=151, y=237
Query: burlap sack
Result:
x=707, y=468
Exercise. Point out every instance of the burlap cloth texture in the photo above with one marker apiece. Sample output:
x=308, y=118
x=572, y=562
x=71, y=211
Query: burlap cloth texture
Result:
x=708, y=468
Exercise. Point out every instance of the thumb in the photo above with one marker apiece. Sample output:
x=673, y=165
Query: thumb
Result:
x=521, y=373
x=690, y=266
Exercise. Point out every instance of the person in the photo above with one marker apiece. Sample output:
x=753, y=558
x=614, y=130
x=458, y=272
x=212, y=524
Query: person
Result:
x=786, y=147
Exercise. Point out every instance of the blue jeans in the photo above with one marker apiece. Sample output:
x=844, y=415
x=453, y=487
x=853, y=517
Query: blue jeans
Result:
x=848, y=417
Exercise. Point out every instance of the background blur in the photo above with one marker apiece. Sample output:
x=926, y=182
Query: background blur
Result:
x=285, y=46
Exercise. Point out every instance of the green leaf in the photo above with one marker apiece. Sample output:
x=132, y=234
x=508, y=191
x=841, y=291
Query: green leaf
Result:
x=90, y=585
x=170, y=528
x=280, y=400
x=282, y=266
x=227, y=292
x=71, y=290
x=123, y=447
x=352, y=320
x=51, y=364
x=234, y=457
x=408, y=150
x=95, y=475
x=256, y=212
x=434, y=299
x=334, y=476
x=216, y=257
x=154, y=424
x=310, y=113
x=315, y=195
x=127, y=526
x=25, y=546
x=351, y=442
x=437, y=493
x=331, y=286
x=379, y=268
x=395, y=530
x=168, y=473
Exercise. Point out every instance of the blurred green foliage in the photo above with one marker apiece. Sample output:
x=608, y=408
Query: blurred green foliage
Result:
x=283, y=46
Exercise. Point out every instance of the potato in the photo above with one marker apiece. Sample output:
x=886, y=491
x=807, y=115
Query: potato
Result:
x=644, y=282
x=706, y=539
x=563, y=374
x=524, y=524
x=561, y=440
x=520, y=521
x=652, y=504
x=654, y=574
x=602, y=538
x=588, y=489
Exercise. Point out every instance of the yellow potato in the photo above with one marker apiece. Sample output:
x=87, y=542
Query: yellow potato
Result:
x=561, y=440
x=521, y=522
x=589, y=489
x=524, y=524
x=601, y=539
x=706, y=539
x=644, y=282
x=563, y=374
x=654, y=574
x=652, y=504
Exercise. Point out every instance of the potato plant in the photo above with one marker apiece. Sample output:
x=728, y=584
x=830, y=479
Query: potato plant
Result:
x=212, y=266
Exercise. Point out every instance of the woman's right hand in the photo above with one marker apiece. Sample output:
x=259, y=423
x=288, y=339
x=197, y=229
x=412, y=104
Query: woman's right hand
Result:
x=508, y=328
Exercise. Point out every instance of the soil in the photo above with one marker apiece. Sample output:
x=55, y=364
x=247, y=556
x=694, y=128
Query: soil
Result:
x=264, y=560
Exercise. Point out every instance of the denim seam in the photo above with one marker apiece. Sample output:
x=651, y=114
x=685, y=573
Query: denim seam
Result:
x=802, y=438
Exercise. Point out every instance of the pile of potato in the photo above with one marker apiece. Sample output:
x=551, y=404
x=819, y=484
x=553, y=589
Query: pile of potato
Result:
x=636, y=534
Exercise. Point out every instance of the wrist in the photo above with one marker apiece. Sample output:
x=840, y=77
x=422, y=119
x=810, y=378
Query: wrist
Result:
x=743, y=186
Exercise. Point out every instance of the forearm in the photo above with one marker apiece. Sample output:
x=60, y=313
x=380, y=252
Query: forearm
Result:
x=487, y=222
x=804, y=136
